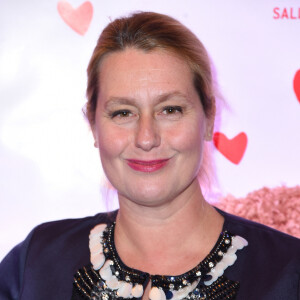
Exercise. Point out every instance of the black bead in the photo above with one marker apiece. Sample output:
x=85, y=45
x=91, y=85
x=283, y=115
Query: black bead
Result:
x=196, y=292
x=169, y=294
x=113, y=270
x=206, y=277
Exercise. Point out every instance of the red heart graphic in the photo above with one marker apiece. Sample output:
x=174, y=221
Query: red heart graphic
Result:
x=78, y=19
x=296, y=84
x=233, y=149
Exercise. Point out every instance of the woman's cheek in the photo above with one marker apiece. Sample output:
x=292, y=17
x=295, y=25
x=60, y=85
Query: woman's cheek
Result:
x=186, y=135
x=114, y=141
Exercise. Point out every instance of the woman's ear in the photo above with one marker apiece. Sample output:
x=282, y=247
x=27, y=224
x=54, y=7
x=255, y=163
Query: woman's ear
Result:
x=209, y=132
x=96, y=145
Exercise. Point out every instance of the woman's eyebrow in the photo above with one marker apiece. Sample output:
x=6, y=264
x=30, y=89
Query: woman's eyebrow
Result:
x=119, y=100
x=132, y=101
x=170, y=95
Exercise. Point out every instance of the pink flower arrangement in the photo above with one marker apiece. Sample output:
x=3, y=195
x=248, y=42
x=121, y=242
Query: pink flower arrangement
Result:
x=275, y=207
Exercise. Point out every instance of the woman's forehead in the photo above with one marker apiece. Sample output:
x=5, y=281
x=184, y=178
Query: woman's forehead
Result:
x=133, y=68
x=146, y=81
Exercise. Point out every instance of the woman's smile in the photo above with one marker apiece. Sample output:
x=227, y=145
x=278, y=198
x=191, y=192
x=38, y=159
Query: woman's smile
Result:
x=147, y=166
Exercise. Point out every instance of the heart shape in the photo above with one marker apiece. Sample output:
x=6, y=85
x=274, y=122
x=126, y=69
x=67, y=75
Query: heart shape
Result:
x=233, y=149
x=78, y=19
x=296, y=84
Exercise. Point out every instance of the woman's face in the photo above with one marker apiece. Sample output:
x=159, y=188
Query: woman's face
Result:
x=150, y=125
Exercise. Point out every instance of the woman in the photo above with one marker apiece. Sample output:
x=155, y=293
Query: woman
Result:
x=151, y=108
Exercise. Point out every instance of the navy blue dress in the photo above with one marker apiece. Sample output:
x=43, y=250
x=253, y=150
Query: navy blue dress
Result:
x=44, y=264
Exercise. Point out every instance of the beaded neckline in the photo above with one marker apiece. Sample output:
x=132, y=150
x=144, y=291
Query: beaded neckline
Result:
x=116, y=280
x=200, y=271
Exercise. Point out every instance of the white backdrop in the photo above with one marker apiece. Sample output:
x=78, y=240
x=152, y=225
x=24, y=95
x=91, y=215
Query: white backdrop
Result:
x=49, y=168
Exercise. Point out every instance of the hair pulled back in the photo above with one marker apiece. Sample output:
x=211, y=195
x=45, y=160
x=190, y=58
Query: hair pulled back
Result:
x=148, y=31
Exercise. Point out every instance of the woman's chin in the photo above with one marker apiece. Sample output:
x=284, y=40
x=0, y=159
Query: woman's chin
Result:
x=150, y=196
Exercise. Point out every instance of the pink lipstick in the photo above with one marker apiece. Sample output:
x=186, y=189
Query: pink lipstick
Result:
x=147, y=166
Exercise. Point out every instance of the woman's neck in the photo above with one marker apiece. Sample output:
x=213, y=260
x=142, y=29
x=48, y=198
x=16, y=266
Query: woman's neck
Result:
x=167, y=239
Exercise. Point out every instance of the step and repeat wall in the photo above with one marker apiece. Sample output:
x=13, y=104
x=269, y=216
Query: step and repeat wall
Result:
x=49, y=168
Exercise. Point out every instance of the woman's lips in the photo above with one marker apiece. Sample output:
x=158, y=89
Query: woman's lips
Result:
x=147, y=165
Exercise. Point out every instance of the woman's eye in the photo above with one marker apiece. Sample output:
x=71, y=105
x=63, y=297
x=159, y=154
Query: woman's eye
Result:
x=170, y=110
x=124, y=113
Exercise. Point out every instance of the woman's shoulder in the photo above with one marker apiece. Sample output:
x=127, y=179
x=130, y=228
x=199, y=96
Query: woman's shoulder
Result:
x=72, y=231
x=74, y=225
x=248, y=227
x=52, y=251
x=65, y=238
x=263, y=239
x=270, y=264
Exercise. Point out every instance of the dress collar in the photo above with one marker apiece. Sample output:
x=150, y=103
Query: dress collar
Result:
x=123, y=281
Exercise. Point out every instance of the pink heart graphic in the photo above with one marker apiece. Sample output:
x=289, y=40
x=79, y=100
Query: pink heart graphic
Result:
x=233, y=149
x=296, y=84
x=78, y=19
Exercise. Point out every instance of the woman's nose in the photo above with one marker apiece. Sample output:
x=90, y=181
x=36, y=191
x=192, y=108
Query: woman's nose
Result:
x=147, y=134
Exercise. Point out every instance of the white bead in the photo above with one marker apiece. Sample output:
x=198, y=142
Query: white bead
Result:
x=107, y=264
x=162, y=295
x=98, y=229
x=105, y=272
x=175, y=297
x=137, y=291
x=94, y=242
x=124, y=289
x=97, y=260
x=155, y=294
x=183, y=292
x=95, y=249
x=94, y=236
x=113, y=282
x=209, y=282
x=232, y=249
x=194, y=284
x=239, y=242
x=229, y=259
x=219, y=269
x=94, y=239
